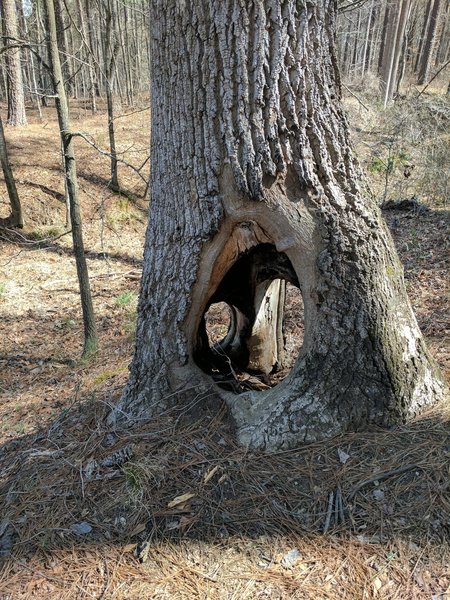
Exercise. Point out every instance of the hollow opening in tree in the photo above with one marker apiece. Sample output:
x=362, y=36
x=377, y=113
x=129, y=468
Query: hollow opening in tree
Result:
x=244, y=340
x=217, y=322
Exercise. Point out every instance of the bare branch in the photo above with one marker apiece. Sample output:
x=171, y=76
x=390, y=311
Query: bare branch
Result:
x=87, y=138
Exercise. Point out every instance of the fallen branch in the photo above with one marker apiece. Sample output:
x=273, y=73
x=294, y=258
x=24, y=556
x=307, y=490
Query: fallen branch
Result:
x=380, y=477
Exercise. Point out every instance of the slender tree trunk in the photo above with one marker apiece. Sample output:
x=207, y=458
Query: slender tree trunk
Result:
x=16, y=97
x=90, y=332
x=16, y=217
x=252, y=169
x=125, y=57
x=94, y=48
x=34, y=86
x=371, y=39
x=429, y=44
x=346, y=53
x=403, y=52
x=5, y=83
x=384, y=38
x=110, y=51
x=399, y=10
x=26, y=64
x=356, y=44
x=41, y=74
x=426, y=21
x=63, y=46
x=369, y=31
x=442, y=52
x=89, y=56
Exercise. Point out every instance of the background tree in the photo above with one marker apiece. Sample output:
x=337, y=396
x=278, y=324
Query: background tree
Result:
x=429, y=43
x=63, y=45
x=90, y=331
x=398, y=12
x=400, y=36
x=16, y=98
x=98, y=54
x=110, y=51
x=16, y=218
x=253, y=180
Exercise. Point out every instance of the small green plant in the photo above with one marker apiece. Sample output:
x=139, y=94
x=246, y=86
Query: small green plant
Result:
x=37, y=235
x=54, y=232
x=415, y=243
x=390, y=163
x=44, y=538
x=142, y=475
x=19, y=428
x=66, y=323
x=124, y=204
x=122, y=212
x=20, y=409
x=126, y=298
x=108, y=375
x=134, y=477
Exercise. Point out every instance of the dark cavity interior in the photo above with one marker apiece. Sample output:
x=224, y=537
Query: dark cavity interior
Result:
x=252, y=330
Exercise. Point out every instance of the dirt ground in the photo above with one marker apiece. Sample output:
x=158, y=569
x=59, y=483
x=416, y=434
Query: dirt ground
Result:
x=173, y=508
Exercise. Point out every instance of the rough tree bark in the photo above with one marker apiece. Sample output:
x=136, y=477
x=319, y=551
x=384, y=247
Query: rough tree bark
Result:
x=16, y=97
x=251, y=165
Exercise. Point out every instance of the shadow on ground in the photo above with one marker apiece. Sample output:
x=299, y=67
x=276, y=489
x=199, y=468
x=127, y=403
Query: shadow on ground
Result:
x=182, y=476
x=27, y=242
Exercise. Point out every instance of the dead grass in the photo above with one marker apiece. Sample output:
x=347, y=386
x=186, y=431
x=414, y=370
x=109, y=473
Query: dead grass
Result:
x=368, y=515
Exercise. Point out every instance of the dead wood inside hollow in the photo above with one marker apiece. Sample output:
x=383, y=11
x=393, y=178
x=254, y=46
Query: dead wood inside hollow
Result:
x=254, y=290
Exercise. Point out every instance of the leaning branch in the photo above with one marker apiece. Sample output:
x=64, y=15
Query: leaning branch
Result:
x=355, y=96
x=434, y=77
x=352, y=5
x=20, y=44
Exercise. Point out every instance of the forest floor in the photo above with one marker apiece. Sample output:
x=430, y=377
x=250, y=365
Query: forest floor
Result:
x=174, y=508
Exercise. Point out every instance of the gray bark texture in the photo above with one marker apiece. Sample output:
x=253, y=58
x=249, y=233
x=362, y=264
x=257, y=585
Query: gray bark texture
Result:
x=16, y=98
x=250, y=149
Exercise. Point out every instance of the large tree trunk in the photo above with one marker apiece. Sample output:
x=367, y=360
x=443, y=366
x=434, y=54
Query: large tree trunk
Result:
x=251, y=167
x=16, y=97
